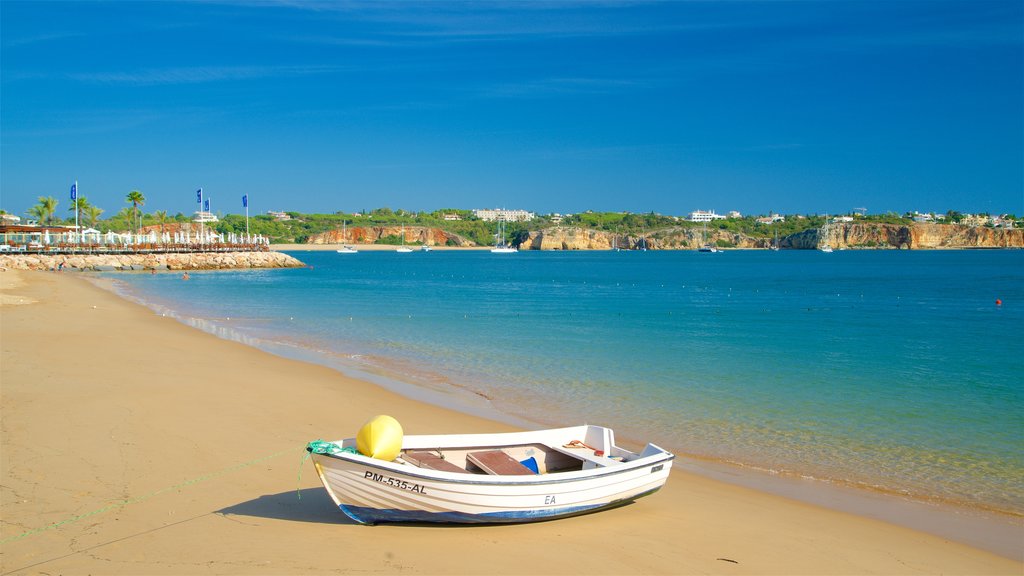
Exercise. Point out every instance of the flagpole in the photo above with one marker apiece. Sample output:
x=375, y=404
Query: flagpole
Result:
x=199, y=197
x=74, y=198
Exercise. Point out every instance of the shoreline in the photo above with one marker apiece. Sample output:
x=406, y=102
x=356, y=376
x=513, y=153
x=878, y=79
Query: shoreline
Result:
x=415, y=247
x=987, y=528
x=263, y=404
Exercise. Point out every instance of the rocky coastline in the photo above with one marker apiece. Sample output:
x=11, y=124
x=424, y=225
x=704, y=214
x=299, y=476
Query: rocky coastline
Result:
x=150, y=261
x=839, y=235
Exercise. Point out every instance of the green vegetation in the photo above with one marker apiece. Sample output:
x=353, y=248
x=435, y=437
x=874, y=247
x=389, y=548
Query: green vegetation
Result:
x=303, y=226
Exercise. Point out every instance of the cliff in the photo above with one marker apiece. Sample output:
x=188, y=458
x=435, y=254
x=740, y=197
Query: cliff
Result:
x=677, y=238
x=844, y=235
x=170, y=261
x=918, y=236
x=371, y=234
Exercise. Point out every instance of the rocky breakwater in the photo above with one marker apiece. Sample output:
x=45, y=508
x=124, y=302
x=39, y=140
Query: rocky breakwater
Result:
x=372, y=234
x=151, y=261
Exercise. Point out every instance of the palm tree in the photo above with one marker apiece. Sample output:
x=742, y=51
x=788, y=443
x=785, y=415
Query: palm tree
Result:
x=161, y=219
x=92, y=215
x=45, y=209
x=136, y=199
x=80, y=205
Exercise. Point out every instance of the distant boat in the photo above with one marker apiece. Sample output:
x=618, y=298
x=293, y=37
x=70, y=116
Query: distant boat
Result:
x=824, y=234
x=425, y=248
x=345, y=249
x=707, y=247
x=509, y=477
x=403, y=248
x=775, y=247
x=500, y=247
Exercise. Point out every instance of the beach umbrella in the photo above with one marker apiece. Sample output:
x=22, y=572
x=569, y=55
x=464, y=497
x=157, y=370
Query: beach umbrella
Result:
x=46, y=237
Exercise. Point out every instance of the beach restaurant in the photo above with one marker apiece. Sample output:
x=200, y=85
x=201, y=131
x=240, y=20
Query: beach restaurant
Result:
x=20, y=238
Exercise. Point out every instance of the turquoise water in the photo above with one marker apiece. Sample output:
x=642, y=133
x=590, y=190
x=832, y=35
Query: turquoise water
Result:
x=893, y=370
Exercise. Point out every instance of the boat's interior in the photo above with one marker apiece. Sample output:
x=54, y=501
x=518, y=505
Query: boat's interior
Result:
x=515, y=460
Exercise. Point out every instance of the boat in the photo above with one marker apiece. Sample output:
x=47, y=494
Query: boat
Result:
x=345, y=249
x=824, y=234
x=500, y=247
x=775, y=246
x=707, y=247
x=507, y=477
x=403, y=248
x=425, y=248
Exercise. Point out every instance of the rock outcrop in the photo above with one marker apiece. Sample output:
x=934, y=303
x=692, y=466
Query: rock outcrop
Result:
x=677, y=238
x=841, y=235
x=371, y=234
x=918, y=236
x=168, y=261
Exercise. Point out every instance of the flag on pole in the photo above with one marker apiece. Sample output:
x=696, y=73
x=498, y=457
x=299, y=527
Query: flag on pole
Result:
x=199, y=196
x=74, y=191
x=245, y=201
x=206, y=205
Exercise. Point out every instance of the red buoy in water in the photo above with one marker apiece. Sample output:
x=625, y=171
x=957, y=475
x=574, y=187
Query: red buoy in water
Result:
x=999, y=302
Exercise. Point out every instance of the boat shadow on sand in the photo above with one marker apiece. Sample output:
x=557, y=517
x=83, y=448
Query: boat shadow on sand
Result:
x=314, y=506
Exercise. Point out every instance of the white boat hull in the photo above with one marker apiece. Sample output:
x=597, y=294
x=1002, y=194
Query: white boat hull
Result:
x=371, y=491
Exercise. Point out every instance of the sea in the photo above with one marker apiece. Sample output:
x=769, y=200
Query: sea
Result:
x=897, y=372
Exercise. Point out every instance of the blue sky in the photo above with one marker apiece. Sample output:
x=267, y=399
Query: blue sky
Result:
x=795, y=107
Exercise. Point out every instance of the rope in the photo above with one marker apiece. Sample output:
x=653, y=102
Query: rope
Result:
x=578, y=444
x=319, y=447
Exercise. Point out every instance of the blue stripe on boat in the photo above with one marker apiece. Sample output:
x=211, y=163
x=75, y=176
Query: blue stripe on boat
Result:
x=367, y=515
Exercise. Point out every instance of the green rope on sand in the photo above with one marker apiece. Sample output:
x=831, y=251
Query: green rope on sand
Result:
x=320, y=447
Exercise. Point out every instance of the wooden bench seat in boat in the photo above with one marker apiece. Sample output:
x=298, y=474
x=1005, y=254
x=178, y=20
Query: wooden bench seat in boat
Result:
x=498, y=463
x=430, y=461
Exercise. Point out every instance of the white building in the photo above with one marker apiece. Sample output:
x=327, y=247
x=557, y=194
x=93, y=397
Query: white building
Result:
x=771, y=219
x=277, y=215
x=452, y=217
x=502, y=214
x=735, y=214
x=202, y=217
x=10, y=219
x=702, y=216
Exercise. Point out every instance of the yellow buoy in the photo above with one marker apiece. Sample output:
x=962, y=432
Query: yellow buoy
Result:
x=380, y=438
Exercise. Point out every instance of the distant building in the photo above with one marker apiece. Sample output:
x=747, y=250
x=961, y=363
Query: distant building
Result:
x=506, y=215
x=1002, y=221
x=975, y=220
x=735, y=214
x=10, y=219
x=452, y=217
x=556, y=218
x=202, y=217
x=843, y=219
x=771, y=219
x=279, y=216
x=702, y=216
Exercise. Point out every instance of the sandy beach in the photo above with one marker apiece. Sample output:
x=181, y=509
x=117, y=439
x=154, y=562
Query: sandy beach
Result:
x=133, y=444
